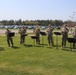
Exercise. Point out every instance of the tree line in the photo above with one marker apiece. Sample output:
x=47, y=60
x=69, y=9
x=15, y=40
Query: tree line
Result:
x=34, y=22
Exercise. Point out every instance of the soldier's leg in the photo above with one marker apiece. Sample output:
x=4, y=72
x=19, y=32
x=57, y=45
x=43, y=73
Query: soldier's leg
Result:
x=52, y=41
x=20, y=39
x=65, y=43
x=73, y=45
x=8, y=41
x=37, y=40
x=65, y=39
x=11, y=40
x=62, y=41
x=48, y=39
x=23, y=39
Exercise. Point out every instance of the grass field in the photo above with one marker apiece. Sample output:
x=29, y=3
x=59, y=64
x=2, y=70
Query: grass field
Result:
x=36, y=60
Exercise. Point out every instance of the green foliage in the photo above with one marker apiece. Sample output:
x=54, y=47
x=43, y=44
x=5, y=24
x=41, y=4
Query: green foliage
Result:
x=31, y=22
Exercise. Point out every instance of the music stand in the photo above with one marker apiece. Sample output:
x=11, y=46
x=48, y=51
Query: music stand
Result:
x=34, y=38
x=43, y=34
x=11, y=34
x=57, y=34
x=25, y=35
x=71, y=40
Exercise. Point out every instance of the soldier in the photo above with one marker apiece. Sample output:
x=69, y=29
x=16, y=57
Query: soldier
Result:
x=74, y=36
x=49, y=35
x=9, y=38
x=64, y=35
x=37, y=33
x=22, y=32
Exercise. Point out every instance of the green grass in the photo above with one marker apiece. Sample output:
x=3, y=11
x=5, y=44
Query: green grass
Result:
x=36, y=60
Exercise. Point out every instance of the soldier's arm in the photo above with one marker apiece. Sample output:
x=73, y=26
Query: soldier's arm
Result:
x=19, y=31
x=47, y=29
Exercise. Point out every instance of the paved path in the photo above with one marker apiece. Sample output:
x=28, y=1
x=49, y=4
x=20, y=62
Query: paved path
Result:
x=2, y=31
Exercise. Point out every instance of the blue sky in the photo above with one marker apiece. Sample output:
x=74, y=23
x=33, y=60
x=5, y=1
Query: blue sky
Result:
x=37, y=9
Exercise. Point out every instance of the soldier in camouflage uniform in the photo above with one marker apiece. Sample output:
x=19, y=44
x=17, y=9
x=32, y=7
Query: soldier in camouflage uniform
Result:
x=37, y=33
x=9, y=38
x=64, y=35
x=49, y=35
x=74, y=36
x=22, y=32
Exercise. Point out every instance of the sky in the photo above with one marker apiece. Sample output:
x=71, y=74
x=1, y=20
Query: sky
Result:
x=37, y=9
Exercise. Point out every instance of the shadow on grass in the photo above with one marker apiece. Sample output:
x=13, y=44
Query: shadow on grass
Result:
x=40, y=45
x=36, y=45
x=57, y=45
x=27, y=45
x=51, y=47
x=2, y=49
x=68, y=49
x=15, y=47
x=43, y=44
x=74, y=50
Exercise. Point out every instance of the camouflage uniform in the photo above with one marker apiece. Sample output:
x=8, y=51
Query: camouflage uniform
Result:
x=49, y=35
x=9, y=39
x=37, y=33
x=22, y=32
x=74, y=36
x=64, y=36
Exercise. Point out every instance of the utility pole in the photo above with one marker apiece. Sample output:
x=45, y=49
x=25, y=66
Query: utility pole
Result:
x=72, y=19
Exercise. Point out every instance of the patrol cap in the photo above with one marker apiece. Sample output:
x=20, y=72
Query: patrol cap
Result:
x=50, y=25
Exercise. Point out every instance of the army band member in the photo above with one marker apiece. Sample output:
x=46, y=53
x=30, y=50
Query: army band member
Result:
x=74, y=36
x=37, y=33
x=9, y=38
x=22, y=32
x=64, y=35
x=49, y=34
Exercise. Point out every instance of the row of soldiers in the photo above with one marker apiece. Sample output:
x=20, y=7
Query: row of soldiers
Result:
x=36, y=31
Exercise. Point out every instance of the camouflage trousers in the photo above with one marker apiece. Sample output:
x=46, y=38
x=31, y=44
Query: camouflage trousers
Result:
x=22, y=39
x=9, y=41
x=50, y=39
x=64, y=39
